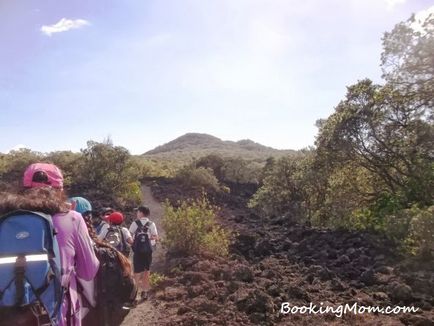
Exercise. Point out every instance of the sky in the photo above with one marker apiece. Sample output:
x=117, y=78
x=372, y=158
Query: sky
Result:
x=144, y=72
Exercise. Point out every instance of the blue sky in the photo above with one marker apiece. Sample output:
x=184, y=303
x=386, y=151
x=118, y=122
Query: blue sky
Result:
x=145, y=72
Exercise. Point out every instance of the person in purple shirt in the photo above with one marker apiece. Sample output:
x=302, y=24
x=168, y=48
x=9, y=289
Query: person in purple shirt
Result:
x=43, y=192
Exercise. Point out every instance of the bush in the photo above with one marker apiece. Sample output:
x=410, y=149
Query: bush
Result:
x=107, y=171
x=191, y=228
x=238, y=170
x=422, y=230
x=148, y=168
x=214, y=162
x=198, y=178
x=155, y=279
x=68, y=162
x=282, y=190
x=12, y=165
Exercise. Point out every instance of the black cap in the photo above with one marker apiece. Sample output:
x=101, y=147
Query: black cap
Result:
x=107, y=210
x=144, y=209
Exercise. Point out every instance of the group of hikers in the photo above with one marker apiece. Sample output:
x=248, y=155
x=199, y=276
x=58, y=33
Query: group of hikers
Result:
x=61, y=262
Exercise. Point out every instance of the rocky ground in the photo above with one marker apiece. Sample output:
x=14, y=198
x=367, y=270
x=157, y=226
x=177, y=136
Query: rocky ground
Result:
x=275, y=261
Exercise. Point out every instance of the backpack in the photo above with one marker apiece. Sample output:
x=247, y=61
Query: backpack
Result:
x=114, y=289
x=99, y=228
x=30, y=266
x=115, y=237
x=142, y=243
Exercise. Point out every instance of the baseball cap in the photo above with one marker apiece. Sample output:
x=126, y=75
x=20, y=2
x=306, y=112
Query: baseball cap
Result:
x=107, y=210
x=80, y=204
x=43, y=175
x=116, y=218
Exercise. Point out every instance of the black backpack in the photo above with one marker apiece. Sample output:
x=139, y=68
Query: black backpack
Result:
x=142, y=243
x=114, y=289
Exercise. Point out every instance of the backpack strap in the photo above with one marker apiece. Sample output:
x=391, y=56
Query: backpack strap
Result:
x=109, y=229
x=124, y=243
x=20, y=270
x=139, y=225
x=98, y=228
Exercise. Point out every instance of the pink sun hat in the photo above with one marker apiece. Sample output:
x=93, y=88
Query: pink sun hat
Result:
x=43, y=175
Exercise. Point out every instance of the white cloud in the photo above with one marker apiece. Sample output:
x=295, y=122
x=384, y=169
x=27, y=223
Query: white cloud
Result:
x=393, y=3
x=64, y=25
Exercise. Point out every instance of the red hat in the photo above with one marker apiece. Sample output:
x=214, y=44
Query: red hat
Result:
x=116, y=218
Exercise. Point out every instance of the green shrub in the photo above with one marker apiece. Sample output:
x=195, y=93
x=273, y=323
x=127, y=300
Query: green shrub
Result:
x=191, y=228
x=241, y=171
x=198, y=178
x=108, y=171
x=281, y=191
x=152, y=168
x=422, y=229
x=214, y=162
x=155, y=279
x=14, y=164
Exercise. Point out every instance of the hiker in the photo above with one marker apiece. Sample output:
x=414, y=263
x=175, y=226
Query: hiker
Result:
x=99, y=221
x=116, y=288
x=117, y=236
x=105, y=212
x=43, y=192
x=145, y=236
x=83, y=206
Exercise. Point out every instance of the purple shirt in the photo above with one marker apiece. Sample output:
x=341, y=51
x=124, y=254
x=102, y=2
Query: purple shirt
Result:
x=77, y=256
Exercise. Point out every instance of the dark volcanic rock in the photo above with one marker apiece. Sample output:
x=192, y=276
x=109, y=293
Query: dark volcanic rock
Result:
x=245, y=243
x=193, y=278
x=297, y=293
x=254, y=301
x=264, y=248
x=401, y=292
x=203, y=304
x=337, y=285
x=244, y=274
x=368, y=277
x=275, y=261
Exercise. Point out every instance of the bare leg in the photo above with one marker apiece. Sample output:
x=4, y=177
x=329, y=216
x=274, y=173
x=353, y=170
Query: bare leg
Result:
x=138, y=278
x=145, y=284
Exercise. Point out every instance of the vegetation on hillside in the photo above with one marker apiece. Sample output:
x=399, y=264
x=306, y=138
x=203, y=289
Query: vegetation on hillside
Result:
x=193, y=146
x=372, y=167
x=101, y=171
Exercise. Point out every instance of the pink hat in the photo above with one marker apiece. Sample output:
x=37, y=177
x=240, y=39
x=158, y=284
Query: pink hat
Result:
x=43, y=175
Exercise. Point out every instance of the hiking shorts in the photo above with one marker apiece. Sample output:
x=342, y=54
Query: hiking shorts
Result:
x=142, y=262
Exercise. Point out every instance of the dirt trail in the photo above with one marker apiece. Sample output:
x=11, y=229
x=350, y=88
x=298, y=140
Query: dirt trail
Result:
x=148, y=313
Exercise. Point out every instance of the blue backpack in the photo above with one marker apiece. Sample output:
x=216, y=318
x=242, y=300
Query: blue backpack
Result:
x=30, y=265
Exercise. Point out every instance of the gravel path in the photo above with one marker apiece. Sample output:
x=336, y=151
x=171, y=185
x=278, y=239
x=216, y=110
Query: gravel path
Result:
x=148, y=312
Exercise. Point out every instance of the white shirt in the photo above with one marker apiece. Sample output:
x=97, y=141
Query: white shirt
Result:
x=152, y=230
x=124, y=230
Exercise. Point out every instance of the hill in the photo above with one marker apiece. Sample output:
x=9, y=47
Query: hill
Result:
x=195, y=145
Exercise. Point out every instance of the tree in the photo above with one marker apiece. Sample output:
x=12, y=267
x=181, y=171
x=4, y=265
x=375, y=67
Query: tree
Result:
x=282, y=191
x=408, y=59
x=374, y=127
x=14, y=164
x=198, y=178
x=214, y=162
x=68, y=162
x=109, y=171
